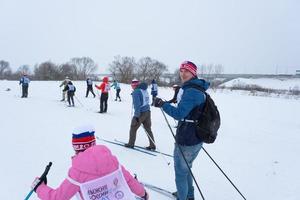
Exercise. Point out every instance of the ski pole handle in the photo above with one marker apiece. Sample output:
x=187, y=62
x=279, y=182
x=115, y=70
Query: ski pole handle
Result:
x=43, y=176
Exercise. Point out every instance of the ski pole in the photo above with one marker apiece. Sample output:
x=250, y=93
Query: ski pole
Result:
x=20, y=90
x=190, y=170
x=43, y=176
x=164, y=158
x=78, y=101
x=159, y=151
x=223, y=173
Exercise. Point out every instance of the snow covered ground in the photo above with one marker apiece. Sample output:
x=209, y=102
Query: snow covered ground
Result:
x=257, y=146
x=270, y=83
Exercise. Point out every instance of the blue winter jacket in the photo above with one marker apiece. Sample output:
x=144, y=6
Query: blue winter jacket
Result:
x=116, y=85
x=140, y=99
x=24, y=81
x=191, y=98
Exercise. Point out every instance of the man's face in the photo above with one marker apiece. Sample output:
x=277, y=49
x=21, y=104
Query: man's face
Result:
x=185, y=75
x=133, y=86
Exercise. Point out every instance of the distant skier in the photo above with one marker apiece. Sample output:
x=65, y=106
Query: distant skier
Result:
x=25, y=84
x=95, y=174
x=63, y=84
x=70, y=89
x=89, y=84
x=177, y=94
x=142, y=114
x=104, y=87
x=117, y=87
x=154, y=90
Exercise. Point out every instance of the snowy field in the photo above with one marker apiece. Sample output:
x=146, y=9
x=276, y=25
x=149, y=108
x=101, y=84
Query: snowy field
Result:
x=269, y=83
x=257, y=147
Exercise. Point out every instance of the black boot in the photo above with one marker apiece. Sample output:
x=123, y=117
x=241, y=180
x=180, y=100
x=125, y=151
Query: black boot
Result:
x=128, y=145
x=151, y=148
x=189, y=198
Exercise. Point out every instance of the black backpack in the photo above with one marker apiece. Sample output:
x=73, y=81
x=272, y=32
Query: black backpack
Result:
x=206, y=118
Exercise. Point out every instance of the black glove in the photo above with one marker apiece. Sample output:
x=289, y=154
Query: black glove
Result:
x=146, y=196
x=158, y=102
x=40, y=181
x=136, y=119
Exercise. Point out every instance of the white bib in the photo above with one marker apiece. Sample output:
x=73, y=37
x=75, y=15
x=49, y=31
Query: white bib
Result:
x=107, y=87
x=145, y=97
x=110, y=187
x=179, y=95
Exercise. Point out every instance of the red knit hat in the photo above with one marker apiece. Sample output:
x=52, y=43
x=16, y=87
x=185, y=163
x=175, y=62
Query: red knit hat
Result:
x=83, y=137
x=191, y=67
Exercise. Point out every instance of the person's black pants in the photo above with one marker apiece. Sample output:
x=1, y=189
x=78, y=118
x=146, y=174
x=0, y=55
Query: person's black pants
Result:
x=24, y=90
x=71, y=99
x=89, y=89
x=118, y=94
x=103, y=102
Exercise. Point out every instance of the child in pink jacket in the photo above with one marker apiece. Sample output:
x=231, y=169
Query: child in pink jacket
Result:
x=94, y=173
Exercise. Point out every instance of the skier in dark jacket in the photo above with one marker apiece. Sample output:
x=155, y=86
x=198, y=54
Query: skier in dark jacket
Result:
x=89, y=85
x=186, y=138
x=154, y=90
x=176, y=89
x=70, y=88
x=25, y=84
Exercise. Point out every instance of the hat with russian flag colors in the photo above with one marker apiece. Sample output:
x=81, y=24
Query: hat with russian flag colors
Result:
x=83, y=137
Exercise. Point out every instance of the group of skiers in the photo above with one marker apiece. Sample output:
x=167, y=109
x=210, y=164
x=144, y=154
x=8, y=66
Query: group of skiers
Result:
x=95, y=171
x=69, y=90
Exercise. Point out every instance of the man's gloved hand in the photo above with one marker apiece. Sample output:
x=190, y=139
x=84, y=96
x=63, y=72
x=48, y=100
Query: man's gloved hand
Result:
x=158, y=102
x=37, y=182
x=136, y=119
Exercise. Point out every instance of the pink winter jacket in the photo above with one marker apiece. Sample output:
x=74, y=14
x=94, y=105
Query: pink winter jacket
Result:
x=95, y=162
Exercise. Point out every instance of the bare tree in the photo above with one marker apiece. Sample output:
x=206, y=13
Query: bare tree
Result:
x=67, y=69
x=46, y=71
x=5, y=70
x=122, y=68
x=23, y=69
x=144, y=67
x=156, y=70
x=148, y=69
x=177, y=79
x=85, y=66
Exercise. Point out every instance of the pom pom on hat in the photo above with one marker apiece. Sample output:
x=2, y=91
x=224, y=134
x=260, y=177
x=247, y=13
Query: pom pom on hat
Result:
x=83, y=137
x=191, y=67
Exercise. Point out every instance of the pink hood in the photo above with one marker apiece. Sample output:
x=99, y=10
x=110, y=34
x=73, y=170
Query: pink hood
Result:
x=91, y=161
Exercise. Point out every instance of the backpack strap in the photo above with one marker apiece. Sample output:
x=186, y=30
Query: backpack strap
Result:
x=198, y=88
x=201, y=89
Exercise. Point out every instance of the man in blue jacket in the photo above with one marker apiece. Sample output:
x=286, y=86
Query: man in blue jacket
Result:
x=186, y=138
x=25, y=84
x=142, y=114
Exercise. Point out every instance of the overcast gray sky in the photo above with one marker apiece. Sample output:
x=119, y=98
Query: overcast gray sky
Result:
x=245, y=36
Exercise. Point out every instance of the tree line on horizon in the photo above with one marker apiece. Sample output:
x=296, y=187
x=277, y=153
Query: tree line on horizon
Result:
x=122, y=68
